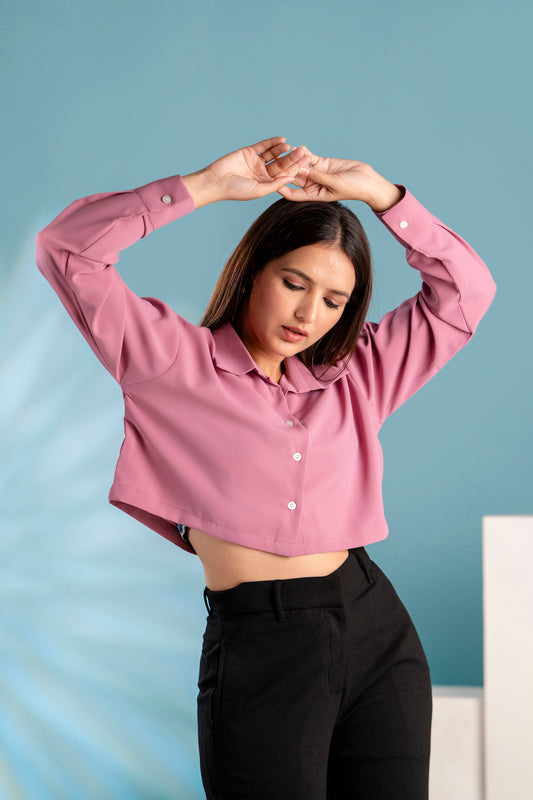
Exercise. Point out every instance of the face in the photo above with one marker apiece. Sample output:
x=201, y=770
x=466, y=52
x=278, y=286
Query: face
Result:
x=306, y=289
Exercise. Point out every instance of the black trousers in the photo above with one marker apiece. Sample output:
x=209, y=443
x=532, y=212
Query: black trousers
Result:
x=314, y=689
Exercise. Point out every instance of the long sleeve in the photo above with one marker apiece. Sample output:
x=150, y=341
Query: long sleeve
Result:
x=135, y=338
x=398, y=355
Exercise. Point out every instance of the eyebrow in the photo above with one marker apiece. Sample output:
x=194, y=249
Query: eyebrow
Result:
x=307, y=278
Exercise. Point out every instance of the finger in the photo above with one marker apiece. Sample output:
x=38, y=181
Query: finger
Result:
x=276, y=184
x=312, y=156
x=322, y=178
x=293, y=194
x=299, y=180
x=266, y=144
x=290, y=163
x=274, y=152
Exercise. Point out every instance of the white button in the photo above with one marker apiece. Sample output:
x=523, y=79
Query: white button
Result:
x=297, y=456
x=404, y=223
x=166, y=199
x=289, y=422
x=292, y=505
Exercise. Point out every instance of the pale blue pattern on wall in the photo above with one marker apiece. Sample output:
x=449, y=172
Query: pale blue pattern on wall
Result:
x=100, y=619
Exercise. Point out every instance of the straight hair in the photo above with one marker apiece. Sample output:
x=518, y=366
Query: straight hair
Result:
x=283, y=227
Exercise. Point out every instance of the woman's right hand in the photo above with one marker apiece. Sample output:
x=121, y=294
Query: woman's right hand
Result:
x=248, y=173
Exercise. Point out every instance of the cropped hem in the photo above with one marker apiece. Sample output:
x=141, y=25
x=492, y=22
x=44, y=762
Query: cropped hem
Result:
x=163, y=518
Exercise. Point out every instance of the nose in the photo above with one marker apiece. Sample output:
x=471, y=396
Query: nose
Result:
x=308, y=307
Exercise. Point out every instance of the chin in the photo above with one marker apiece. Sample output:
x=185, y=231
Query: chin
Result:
x=298, y=350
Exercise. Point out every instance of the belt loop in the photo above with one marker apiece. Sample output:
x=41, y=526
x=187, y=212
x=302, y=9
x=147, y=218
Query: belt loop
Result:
x=277, y=601
x=206, y=601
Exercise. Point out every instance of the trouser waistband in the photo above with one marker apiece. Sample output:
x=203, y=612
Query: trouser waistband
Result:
x=291, y=593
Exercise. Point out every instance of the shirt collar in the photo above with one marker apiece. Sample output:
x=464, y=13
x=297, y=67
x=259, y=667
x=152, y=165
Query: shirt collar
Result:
x=231, y=355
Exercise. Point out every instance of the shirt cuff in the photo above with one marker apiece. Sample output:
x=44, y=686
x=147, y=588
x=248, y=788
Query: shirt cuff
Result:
x=408, y=220
x=165, y=200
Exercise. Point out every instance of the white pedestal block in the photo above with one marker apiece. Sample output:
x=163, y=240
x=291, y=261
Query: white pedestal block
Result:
x=456, y=764
x=508, y=656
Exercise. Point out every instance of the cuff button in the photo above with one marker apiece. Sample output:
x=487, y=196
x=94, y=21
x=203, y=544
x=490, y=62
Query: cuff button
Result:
x=166, y=199
x=404, y=223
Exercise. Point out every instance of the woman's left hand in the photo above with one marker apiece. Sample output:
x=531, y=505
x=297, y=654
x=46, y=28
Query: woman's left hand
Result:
x=328, y=179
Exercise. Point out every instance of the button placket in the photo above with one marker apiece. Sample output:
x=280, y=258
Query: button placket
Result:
x=292, y=504
x=297, y=444
x=298, y=476
x=296, y=456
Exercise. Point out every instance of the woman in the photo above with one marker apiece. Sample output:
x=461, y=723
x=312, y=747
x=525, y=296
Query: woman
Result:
x=251, y=440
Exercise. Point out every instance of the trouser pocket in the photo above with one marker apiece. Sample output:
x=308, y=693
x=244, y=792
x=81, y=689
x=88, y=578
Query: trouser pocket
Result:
x=209, y=693
x=211, y=671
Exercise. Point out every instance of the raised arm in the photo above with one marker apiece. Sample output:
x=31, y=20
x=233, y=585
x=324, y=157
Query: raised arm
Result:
x=138, y=338
x=410, y=344
x=133, y=337
x=396, y=356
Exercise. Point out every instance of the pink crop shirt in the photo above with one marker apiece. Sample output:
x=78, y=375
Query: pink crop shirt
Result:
x=210, y=441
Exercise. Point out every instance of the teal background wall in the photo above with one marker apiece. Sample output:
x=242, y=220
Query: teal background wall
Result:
x=101, y=619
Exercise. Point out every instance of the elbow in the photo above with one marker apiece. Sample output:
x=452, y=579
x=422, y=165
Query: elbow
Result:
x=489, y=287
x=482, y=304
x=44, y=241
x=42, y=250
x=492, y=290
x=488, y=295
x=47, y=253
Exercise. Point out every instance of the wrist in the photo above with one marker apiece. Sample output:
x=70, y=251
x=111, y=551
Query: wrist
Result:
x=383, y=195
x=203, y=187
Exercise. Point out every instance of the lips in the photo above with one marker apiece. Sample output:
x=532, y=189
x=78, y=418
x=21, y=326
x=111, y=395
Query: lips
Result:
x=296, y=330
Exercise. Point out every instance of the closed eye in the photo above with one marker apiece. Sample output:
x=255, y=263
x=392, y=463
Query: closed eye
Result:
x=295, y=288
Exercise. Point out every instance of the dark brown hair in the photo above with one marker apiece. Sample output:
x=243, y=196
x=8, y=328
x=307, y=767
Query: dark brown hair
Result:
x=281, y=228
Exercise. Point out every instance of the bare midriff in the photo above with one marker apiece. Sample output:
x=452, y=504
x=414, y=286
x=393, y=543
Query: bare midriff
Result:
x=227, y=564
